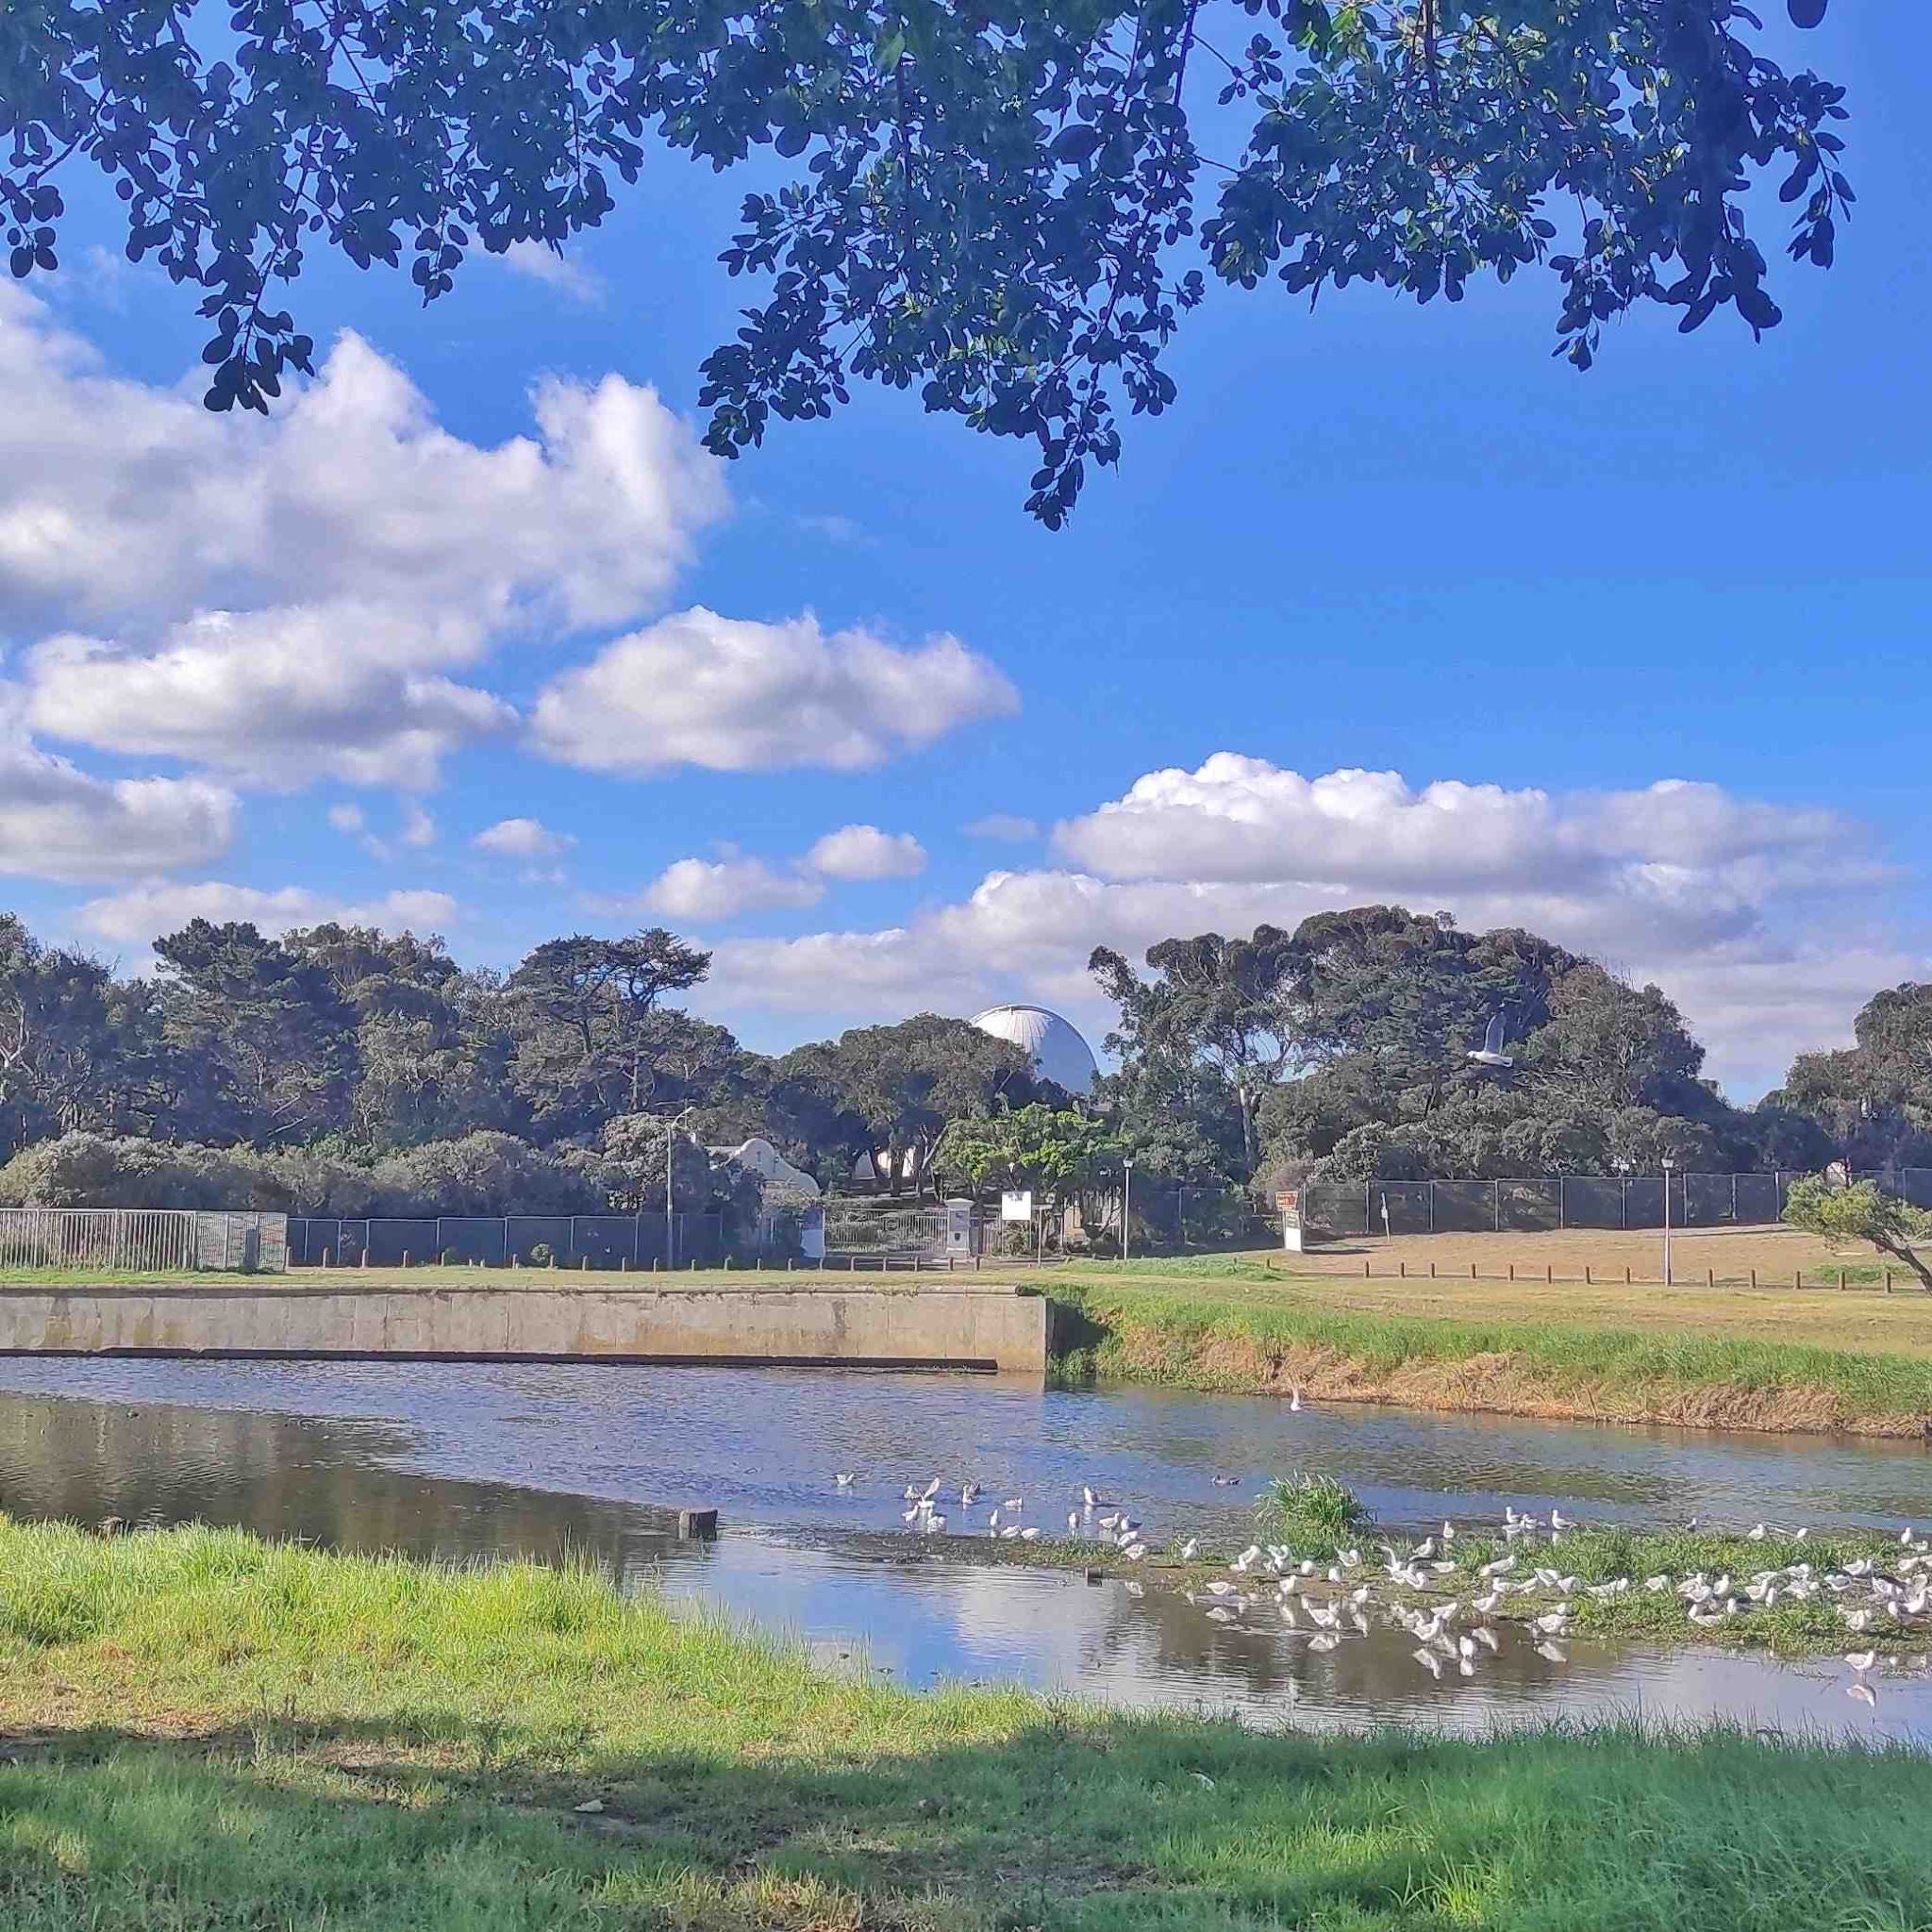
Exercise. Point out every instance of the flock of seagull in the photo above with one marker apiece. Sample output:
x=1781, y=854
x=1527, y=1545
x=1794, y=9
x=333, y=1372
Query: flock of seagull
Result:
x=1451, y=1610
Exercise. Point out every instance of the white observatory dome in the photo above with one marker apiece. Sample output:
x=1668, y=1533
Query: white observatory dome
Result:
x=1055, y=1046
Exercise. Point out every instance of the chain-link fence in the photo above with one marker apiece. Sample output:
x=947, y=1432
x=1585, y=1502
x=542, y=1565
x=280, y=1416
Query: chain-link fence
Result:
x=1540, y=1204
x=498, y=1240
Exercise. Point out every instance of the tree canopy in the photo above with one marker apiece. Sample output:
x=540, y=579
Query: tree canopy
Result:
x=1001, y=203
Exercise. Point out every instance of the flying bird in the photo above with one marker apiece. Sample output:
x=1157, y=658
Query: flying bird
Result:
x=1490, y=1053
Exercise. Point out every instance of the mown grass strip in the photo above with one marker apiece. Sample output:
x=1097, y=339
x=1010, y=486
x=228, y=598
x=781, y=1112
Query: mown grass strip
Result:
x=209, y=1731
x=1204, y=1341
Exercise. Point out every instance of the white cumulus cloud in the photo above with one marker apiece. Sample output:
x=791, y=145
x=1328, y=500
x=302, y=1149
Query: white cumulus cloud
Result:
x=723, y=887
x=142, y=914
x=284, y=598
x=1720, y=899
x=731, y=694
x=522, y=839
x=59, y=823
x=864, y=851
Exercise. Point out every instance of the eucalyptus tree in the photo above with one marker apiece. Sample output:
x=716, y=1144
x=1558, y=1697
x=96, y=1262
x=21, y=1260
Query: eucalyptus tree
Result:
x=1010, y=206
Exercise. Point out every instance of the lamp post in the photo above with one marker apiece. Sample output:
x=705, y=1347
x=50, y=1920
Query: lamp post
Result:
x=1669, y=1164
x=671, y=1128
x=1126, y=1200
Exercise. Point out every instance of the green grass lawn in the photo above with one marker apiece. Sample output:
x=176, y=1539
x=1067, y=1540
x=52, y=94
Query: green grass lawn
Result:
x=202, y=1730
x=1210, y=1335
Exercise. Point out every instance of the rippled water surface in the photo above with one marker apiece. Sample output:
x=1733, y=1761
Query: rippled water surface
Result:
x=457, y=1460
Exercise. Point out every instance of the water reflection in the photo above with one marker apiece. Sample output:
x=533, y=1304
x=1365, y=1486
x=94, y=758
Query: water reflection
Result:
x=455, y=1462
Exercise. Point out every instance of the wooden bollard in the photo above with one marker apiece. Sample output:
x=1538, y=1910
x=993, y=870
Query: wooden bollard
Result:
x=1710, y=1277
x=1887, y=1281
x=696, y=1525
x=1841, y=1281
x=1365, y=1271
x=1797, y=1277
x=1472, y=1271
x=1402, y=1269
x=1754, y=1277
x=1549, y=1272
x=1626, y=1277
x=1512, y=1271
x=1432, y=1271
x=1586, y=1275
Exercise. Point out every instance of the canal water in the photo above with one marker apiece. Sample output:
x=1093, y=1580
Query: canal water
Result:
x=456, y=1461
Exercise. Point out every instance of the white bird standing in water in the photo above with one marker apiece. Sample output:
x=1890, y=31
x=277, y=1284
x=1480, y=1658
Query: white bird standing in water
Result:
x=1294, y=1400
x=846, y=1478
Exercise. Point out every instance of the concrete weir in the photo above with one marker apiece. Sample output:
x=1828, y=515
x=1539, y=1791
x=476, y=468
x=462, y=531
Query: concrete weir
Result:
x=992, y=1329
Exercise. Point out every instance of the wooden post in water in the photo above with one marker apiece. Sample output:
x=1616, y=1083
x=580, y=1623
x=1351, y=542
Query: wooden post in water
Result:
x=696, y=1525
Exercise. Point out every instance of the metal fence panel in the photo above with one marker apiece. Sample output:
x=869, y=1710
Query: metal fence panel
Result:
x=1400, y=1208
x=1760, y=1199
x=1593, y=1200
x=1529, y=1206
x=1465, y=1206
x=1711, y=1200
x=1335, y=1209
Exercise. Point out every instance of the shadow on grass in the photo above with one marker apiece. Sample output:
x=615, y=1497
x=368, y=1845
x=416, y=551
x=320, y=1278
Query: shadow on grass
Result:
x=1077, y=1822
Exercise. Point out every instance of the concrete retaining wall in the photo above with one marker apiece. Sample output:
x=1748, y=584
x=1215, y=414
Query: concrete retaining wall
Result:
x=990, y=1328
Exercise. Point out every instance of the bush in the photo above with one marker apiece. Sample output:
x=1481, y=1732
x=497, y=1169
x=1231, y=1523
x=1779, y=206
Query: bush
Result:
x=542, y=1255
x=1315, y=1515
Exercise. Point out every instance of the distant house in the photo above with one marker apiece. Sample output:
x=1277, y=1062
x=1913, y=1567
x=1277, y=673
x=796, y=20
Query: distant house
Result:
x=787, y=1190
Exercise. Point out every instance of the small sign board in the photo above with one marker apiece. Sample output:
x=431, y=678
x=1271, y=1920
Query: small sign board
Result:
x=1016, y=1204
x=1289, y=1201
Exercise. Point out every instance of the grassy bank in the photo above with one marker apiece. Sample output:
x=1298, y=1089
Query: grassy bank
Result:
x=203, y=1730
x=1237, y=1335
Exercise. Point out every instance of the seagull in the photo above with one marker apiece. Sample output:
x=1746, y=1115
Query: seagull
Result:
x=1558, y=1521
x=1294, y=1401
x=1226, y=1482
x=1189, y=1550
x=1490, y=1053
x=846, y=1478
x=1861, y=1660
x=1073, y=1522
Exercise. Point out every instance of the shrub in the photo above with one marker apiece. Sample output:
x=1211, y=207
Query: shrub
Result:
x=1315, y=1515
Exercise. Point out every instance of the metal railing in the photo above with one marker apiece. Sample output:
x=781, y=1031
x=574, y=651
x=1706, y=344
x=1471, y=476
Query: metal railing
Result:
x=141, y=1241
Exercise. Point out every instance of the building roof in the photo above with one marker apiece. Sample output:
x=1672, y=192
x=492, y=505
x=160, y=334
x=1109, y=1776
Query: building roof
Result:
x=1057, y=1048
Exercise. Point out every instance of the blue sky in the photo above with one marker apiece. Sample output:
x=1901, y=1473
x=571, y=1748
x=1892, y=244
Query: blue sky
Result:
x=1366, y=538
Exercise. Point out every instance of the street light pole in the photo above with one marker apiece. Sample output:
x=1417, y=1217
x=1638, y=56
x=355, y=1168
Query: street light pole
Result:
x=671, y=1127
x=1126, y=1201
x=1669, y=1164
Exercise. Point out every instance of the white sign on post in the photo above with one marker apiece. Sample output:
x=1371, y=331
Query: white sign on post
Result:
x=1016, y=1204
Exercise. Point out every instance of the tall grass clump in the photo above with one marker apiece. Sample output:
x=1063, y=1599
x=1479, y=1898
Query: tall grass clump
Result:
x=1315, y=1515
